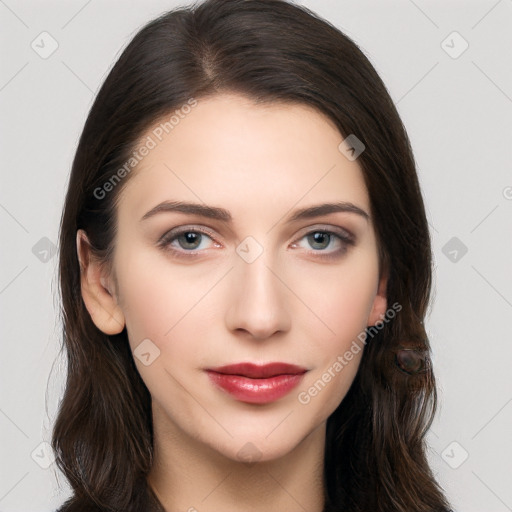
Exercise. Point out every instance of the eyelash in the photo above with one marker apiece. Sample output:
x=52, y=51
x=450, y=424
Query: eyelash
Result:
x=344, y=237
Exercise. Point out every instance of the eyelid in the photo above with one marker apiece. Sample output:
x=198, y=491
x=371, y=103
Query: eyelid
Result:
x=185, y=229
x=344, y=235
x=210, y=232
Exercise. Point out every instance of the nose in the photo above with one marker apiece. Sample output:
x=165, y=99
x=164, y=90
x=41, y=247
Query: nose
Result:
x=258, y=300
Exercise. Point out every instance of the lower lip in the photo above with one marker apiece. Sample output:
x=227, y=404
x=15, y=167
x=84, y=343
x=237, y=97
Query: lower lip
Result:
x=256, y=391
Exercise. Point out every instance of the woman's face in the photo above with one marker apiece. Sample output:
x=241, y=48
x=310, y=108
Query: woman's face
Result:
x=239, y=279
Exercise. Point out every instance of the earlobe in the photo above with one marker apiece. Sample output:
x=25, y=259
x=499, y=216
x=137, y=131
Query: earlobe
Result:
x=380, y=302
x=97, y=293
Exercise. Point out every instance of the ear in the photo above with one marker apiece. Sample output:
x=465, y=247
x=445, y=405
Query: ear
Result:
x=97, y=291
x=380, y=302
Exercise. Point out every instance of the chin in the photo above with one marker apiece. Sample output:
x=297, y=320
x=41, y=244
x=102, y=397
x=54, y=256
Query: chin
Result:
x=258, y=447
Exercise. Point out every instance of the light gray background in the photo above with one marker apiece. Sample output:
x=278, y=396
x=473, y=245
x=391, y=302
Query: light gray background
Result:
x=458, y=113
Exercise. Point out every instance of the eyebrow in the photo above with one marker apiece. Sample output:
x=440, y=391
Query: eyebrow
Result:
x=221, y=214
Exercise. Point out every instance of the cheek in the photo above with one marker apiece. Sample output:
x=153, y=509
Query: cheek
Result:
x=151, y=300
x=170, y=305
x=340, y=306
x=339, y=299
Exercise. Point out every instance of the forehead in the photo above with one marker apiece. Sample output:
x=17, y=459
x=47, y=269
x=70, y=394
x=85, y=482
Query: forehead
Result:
x=230, y=151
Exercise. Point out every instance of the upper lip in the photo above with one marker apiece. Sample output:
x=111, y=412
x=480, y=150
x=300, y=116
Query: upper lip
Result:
x=258, y=371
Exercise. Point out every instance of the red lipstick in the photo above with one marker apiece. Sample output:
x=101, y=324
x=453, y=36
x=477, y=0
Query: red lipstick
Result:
x=257, y=384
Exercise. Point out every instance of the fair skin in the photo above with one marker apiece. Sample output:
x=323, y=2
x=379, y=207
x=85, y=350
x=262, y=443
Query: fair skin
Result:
x=298, y=301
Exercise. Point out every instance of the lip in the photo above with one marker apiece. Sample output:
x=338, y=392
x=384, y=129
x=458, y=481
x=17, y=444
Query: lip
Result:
x=257, y=384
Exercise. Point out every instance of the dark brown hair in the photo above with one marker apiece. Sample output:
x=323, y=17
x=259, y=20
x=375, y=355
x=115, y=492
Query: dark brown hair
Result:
x=270, y=51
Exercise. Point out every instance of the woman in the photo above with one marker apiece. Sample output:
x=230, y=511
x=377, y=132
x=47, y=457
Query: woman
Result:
x=245, y=267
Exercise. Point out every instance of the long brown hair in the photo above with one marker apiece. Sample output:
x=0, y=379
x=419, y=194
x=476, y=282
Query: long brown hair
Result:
x=271, y=51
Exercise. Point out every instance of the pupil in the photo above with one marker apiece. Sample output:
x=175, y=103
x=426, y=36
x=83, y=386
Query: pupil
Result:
x=319, y=238
x=190, y=239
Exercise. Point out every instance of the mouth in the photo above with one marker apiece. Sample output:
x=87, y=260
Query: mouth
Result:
x=256, y=384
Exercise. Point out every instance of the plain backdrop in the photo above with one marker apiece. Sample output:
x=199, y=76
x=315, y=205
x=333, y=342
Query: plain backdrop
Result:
x=447, y=66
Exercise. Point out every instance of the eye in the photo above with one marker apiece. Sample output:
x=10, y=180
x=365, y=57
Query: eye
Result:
x=185, y=240
x=188, y=241
x=326, y=243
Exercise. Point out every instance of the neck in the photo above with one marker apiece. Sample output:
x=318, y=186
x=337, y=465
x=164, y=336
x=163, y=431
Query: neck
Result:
x=188, y=475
